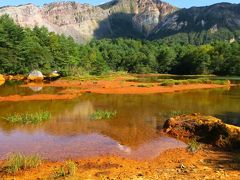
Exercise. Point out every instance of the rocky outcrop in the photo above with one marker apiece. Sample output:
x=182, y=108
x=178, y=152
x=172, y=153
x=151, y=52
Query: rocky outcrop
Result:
x=205, y=129
x=150, y=14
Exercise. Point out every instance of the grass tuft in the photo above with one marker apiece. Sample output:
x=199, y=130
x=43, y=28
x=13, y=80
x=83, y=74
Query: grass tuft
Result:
x=167, y=115
x=145, y=85
x=193, y=146
x=172, y=82
x=68, y=169
x=29, y=118
x=17, y=162
x=103, y=114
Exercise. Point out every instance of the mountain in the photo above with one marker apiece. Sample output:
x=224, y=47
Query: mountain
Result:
x=118, y=18
x=144, y=19
x=201, y=24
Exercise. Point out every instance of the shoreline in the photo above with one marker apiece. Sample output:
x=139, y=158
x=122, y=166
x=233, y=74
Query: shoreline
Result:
x=207, y=162
x=75, y=88
x=69, y=94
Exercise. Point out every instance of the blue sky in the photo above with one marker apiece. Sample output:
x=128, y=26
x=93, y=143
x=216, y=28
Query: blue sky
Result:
x=178, y=3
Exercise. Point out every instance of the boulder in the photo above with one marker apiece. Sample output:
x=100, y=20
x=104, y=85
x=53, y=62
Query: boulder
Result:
x=205, y=129
x=2, y=77
x=35, y=75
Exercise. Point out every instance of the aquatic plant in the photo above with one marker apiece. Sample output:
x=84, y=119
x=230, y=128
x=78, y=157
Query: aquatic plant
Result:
x=103, y=114
x=174, y=113
x=68, y=169
x=193, y=146
x=29, y=118
x=17, y=162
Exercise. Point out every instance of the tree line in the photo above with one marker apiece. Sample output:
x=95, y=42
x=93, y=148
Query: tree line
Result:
x=25, y=49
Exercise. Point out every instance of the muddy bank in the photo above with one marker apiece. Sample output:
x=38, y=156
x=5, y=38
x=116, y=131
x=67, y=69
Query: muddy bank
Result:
x=120, y=86
x=173, y=164
x=74, y=88
x=205, y=129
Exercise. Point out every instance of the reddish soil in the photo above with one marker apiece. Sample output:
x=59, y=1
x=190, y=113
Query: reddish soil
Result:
x=117, y=86
x=208, y=163
x=120, y=86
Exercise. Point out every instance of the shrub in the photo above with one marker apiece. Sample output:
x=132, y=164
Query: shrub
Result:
x=29, y=118
x=16, y=162
x=103, y=114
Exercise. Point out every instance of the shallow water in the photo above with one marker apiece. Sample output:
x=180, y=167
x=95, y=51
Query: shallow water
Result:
x=133, y=133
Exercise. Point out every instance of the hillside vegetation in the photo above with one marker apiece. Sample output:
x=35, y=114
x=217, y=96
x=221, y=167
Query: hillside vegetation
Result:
x=23, y=49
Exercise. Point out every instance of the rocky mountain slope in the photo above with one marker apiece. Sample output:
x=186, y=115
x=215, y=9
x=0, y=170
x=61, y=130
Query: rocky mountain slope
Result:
x=201, y=24
x=146, y=19
x=84, y=22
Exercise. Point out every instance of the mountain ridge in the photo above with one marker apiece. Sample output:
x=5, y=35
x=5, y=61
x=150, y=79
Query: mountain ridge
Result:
x=142, y=19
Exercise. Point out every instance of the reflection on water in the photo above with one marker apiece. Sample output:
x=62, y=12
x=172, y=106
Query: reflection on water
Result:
x=13, y=88
x=81, y=146
x=36, y=88
x=134, y=132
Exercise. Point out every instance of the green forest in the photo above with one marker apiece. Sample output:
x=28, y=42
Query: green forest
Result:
x=24, y=49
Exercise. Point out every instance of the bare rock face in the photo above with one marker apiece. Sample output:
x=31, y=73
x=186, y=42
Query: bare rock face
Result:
x=70, y=18
x=150, y=13
x=81, y=21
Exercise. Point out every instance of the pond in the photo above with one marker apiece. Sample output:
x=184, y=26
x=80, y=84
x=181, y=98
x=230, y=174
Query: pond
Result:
x=133, y=133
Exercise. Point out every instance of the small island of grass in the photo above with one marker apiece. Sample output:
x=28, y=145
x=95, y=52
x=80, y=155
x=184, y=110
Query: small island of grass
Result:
x=28, y=118
x=103, y=115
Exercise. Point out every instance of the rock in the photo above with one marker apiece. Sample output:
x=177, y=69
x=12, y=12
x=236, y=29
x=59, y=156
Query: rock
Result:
x=2, y=77
x=35, y=75
x=206, y=129
x=54, y=74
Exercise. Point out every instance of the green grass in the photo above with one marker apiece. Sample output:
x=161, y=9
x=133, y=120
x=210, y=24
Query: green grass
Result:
x=103, y=114
x=167, y=115
x=145, y=85
x=29, y=118
x=106, y=76
x=193, y=146
x=17, y=162
x=172, y=82
x=67, y=170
